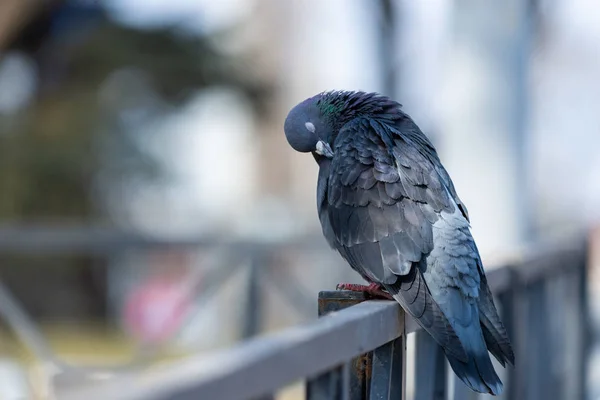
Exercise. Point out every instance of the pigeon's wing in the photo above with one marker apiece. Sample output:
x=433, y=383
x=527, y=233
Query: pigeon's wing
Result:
x=383, y=198
x=457, y=242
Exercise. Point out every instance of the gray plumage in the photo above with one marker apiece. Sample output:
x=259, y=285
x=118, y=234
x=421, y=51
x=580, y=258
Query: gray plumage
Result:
x=389, y=207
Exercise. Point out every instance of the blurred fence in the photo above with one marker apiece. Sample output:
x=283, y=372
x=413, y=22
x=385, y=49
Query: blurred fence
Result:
x=360, y=352
x=65, y=240
x=263, y=270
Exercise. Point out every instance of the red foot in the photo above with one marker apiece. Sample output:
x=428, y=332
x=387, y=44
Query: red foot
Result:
x=373, y=289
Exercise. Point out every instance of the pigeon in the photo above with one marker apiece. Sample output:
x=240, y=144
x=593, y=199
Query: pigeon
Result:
x=388, y=206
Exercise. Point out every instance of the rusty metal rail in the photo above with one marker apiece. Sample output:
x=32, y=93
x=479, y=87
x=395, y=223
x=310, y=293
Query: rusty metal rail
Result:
x=357, y=349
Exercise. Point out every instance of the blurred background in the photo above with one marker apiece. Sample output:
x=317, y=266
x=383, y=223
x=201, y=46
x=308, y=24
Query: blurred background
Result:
x=150, y=207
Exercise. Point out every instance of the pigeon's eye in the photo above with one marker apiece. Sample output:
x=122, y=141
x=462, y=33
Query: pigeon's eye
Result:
x=310, y=126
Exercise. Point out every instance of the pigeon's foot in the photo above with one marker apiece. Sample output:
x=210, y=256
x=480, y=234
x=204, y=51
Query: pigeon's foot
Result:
x=374, y=289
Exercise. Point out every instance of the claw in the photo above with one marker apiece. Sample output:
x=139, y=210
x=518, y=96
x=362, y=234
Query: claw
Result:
x=374, y=290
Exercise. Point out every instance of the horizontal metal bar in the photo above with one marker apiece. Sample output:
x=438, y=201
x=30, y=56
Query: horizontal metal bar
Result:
x=264, y=364
x=37, y=239
x=549, y=258
x=65, y=239
x=499, y=279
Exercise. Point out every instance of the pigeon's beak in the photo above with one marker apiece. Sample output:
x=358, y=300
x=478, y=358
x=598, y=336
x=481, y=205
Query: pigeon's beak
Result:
x=323, y=149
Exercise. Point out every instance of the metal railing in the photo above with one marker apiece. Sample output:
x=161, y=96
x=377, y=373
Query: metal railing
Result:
x=357, y=350
x=222, y=259
x=231, y=256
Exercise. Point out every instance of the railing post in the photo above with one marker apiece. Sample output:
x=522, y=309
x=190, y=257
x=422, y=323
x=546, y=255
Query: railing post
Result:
x=585, y=333
x=515, y=315
x=556, y=384
x=538, y=343
x=252, y=318
x=430, y=369
x=388, y=376
x=577, y=326
x=351, y=380
x=508, y=316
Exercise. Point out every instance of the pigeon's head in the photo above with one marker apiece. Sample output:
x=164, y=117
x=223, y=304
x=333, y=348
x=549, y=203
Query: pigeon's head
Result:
x=307, y=129
x=313, y=125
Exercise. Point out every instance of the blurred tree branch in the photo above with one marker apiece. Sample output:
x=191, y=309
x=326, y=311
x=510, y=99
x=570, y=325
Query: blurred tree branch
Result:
x=49, y=154
x=13, y=14
x=53, y=150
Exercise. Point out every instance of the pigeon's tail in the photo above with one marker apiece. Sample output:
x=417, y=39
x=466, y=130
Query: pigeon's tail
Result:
x=478, y=372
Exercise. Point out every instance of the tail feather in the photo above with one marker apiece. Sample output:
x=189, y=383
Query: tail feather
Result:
x=492, y=345
x=494, y=331
x=470, y=373
x=478, y=373
x=413, y=295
